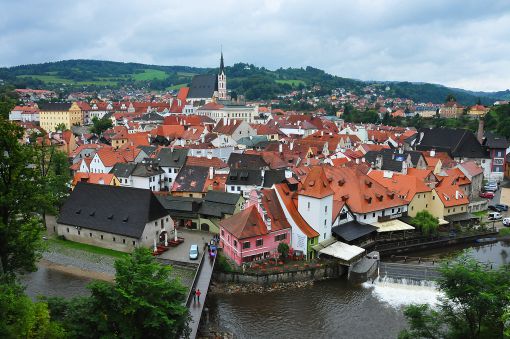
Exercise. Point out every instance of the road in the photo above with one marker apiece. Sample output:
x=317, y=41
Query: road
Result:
x=496, y=200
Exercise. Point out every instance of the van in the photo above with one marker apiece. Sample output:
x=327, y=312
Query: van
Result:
x=494, y=216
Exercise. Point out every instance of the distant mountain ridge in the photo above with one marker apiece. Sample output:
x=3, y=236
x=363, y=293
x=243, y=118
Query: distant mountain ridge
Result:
x=252, y=81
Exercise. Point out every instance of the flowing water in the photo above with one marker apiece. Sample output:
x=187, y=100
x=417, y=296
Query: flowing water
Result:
x=329, y=309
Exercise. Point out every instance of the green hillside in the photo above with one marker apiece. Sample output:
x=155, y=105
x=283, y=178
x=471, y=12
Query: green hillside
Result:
x=249, y=80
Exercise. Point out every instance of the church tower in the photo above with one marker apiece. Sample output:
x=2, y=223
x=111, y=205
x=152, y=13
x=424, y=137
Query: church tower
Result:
x=222, y=81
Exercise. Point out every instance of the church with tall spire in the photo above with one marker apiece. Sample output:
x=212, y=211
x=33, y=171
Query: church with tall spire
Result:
x=222, y=80
x=209, y=87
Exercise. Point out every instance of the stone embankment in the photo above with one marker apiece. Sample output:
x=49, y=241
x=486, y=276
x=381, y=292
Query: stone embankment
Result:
x=233, y=288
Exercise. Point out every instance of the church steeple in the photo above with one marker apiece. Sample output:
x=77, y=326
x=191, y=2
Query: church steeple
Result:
x=222, y=80
x=222, y=66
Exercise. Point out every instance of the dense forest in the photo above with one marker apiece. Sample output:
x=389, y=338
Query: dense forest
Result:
x=249, y=80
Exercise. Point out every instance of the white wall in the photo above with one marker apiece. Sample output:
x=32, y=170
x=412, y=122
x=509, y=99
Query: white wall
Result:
x=317, y=213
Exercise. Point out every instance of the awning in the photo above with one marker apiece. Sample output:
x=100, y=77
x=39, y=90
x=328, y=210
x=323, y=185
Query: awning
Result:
x=392, y=225
x=442, y=222
x=343, y=251
x=324, y=244
x=353, y=230
x=461, y=217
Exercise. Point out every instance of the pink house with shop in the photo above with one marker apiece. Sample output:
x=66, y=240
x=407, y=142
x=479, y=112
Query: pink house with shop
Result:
x=255, y=232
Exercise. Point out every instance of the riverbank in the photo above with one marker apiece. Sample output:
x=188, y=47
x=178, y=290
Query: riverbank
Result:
x=79, y=272
x=219, y=288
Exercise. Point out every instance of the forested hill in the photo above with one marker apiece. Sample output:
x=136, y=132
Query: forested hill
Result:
x=254, y=82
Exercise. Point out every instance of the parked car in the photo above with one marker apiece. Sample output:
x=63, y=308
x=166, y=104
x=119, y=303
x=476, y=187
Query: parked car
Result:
x=486, y=195
x=506, y=222
x=491, y=187
x=495, y=216
x=493, y=208
x=502, y=207
x=193, y=252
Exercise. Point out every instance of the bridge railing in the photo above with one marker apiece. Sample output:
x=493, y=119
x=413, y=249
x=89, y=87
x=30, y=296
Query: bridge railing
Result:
x=197, y=274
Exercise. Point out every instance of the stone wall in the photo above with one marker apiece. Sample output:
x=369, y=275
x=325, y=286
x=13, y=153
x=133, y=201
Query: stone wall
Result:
x=308, y=274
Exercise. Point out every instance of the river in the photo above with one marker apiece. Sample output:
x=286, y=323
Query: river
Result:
x=329, y=309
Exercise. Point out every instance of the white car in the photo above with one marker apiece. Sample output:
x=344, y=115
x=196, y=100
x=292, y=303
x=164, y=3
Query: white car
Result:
x=193, y=252
x=506, y=221
x=494, y=216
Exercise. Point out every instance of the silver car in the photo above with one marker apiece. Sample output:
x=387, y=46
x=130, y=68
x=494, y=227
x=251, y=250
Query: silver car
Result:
x=193, y=252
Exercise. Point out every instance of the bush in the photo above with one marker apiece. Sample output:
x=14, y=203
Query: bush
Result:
x=223, y=264
x=504, y=231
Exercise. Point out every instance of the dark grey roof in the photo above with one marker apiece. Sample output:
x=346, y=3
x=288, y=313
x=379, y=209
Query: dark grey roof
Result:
x=150, y=117
x=222, y=197
x=495, y=141
x=148, y=149
x=352, y=230
x=191, y=179
x=122, y=170
x=245, y=177
x=54, y=106
x=175, y=158
x=145, y=170
x=249, y=161
x=272, y=177
x=111, y=209
x=216, y=209
x=458, y=143
x=203, y=86
x=391, y=161
x=180, y=204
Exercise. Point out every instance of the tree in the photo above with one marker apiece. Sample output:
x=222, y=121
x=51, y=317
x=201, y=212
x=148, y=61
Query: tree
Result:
x=60, y=127
x=22, y=318
x=475, y=303
x=283, y=249
x=8, y=100
x=21, y=194
x=426, y=222
x=143, y=303
x=100, y=125
x=450, y=97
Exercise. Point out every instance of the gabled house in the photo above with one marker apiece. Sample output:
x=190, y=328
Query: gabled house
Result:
x=118, y=218
x=171, y=160
x=243, y=181
x=234, y=128
x=255, y=233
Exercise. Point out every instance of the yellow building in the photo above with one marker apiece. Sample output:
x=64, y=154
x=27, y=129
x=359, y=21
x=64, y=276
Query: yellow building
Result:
x=477, y=110
x=53, y=114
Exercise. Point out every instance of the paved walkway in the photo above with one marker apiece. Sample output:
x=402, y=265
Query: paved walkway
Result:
x=202, y=281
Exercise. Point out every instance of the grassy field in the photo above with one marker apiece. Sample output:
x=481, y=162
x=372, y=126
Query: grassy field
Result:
x=53, y=79
x=86, y=248
x=186, y=74
x=150, y=74
x=293, y=83
x=175, y=87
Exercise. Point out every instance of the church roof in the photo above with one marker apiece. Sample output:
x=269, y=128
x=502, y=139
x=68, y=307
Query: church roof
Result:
x=203, y=86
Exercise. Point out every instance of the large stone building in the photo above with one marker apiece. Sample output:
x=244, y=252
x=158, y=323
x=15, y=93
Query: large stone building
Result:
x=118, y=218
x=209, y=87
x=53, y=114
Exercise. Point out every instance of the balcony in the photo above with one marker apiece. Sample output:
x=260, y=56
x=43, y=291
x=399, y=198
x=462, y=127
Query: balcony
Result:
x=391, y=217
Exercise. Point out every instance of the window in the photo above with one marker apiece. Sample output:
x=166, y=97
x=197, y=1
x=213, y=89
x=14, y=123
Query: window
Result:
x=68, y=230
x=246, y=244
x=235, y=243
x=392, y=210
x=326, y=209
x=325, y=221
x=433, y=197
x=123, y=241
x=364, y=216
x=373, y=215
x=308, y=205
x=280, y=237
x=134, y=243
x=233, y=188
x=412, y=208
x=324, y=235
x=259, y=242
x=222, y=233
x=101, y=237
x=90, y=234
x=238, y=188
x=114, y=239
x=78, y=232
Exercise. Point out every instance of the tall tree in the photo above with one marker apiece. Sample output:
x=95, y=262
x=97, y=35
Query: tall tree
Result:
x=100, y=125
x=426, y=222
x=22, y=318
x=143, y=303
x=21, y=194
x=475, y=304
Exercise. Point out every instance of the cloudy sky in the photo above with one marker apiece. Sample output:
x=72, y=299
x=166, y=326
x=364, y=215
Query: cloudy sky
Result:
x=459, y=43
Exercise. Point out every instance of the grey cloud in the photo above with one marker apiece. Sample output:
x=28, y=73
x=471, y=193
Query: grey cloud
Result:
x=457, y=43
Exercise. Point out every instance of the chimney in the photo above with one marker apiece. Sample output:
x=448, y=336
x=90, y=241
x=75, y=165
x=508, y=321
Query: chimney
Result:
x=101, y=181
x=291, y=145
x=432, y=152
x=209, y=155
x=203, y=138
x=280, y=148
x=268, y=223
x=211, y=173
x=481, y=125
x=322, y=133
x=225, y=121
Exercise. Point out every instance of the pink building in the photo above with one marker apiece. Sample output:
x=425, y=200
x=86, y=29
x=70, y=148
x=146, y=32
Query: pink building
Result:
x=255, y=232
